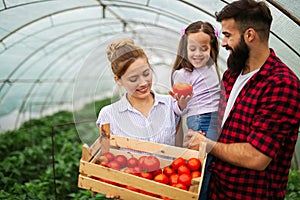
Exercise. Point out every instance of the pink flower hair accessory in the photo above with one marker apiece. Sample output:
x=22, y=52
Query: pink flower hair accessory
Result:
x=216, y=32
x=182, y=31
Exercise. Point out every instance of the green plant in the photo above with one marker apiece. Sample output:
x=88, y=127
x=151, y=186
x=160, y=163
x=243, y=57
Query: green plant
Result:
x=293, y=187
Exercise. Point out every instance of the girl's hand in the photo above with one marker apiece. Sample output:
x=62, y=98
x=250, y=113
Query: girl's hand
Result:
x=182, y=101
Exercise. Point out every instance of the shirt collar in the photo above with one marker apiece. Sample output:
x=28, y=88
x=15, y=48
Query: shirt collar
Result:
x=125, y=105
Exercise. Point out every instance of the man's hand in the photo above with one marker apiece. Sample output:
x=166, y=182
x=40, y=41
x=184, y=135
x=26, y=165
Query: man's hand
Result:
x=193, y=139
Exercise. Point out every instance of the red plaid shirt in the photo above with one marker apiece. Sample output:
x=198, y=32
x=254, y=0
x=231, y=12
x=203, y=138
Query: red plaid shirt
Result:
x=266, y=114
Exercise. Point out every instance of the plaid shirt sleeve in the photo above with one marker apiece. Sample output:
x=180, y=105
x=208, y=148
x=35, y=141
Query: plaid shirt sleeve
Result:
x=277, y=112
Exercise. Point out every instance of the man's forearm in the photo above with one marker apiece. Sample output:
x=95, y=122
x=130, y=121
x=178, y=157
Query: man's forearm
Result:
x=239, y=154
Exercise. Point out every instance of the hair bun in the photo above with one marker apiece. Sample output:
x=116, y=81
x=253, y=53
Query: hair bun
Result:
x=114, y=46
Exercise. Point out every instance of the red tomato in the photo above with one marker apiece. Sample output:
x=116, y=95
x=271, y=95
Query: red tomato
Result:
x=168, y=171
x=161, y=178
x=104, y=163
x=177, y=163
x=132, y=162
x=183, y=169
x=141, y=160
x=195, y=174
x=194, y=164
x=149, y=163
x=185, y=179
x=100, y=159
x=182, y=89
x=173, y=179
x=110, y=156
x=130, y=171
x=156, y=172
x=137, y=169
x=146, y=175
x=114, y=165
x=180, y=186
x=122, y=160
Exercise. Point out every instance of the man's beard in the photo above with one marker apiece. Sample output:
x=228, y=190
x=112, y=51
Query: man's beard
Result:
x=236, y=62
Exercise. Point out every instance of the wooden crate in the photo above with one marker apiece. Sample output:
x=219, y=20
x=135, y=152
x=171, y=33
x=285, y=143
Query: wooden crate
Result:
x=121, y=145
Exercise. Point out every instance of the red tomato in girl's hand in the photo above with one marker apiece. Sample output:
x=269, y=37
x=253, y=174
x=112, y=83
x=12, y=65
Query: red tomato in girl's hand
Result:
x=161, y=178
x=183, y=169
x=194, y=164
x=122, y=160
x=177, y=163
x=182, y=89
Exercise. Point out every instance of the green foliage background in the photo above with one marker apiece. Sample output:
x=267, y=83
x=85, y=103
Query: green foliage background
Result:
x=26, y=168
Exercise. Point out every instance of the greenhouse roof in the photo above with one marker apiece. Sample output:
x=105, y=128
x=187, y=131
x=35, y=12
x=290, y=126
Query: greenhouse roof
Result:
x=53, y=57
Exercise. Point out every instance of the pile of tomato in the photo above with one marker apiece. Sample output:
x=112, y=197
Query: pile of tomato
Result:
x=178, y=174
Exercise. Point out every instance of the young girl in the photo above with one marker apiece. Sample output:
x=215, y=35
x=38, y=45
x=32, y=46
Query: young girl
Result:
x=140, y=113
x=196, y=64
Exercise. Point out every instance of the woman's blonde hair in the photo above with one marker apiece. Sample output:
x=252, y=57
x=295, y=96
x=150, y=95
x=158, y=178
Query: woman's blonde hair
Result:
x=122, y=53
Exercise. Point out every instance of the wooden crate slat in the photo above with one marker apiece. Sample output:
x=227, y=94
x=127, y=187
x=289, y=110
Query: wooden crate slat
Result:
x=151, y=147
x=101, y=187
x=134, y=181
x=95, y=146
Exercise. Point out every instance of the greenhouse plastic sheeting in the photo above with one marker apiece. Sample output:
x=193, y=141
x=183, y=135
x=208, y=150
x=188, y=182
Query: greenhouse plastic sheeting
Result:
x=53, y=58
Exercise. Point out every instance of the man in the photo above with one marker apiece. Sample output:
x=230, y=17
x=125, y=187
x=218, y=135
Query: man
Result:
x=259, y=111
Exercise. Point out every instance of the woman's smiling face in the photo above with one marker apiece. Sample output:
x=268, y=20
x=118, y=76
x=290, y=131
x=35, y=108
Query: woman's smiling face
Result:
x=137, y=80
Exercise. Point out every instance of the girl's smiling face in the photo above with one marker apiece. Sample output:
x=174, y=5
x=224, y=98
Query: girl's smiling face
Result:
x=137, y=80
x=198, y=49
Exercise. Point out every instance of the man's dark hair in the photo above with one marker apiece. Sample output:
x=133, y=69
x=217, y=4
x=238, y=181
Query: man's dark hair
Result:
x=248, y=14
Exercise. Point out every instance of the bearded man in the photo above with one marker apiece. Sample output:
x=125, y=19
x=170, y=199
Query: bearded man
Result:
x=259, y=112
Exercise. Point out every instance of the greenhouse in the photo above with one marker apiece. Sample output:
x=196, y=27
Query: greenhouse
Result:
x=55, y=77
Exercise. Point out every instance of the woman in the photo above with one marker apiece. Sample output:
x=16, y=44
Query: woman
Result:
x=140, y=113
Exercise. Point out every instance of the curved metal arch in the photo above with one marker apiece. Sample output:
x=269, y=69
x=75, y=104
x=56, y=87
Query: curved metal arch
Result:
x=22, y=4
x=21, y=108
x=43, y=17
x=284, y=11
x=57, y=80
x=150, y=9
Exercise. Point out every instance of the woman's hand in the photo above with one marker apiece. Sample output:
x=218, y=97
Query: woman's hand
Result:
x=182, y=101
